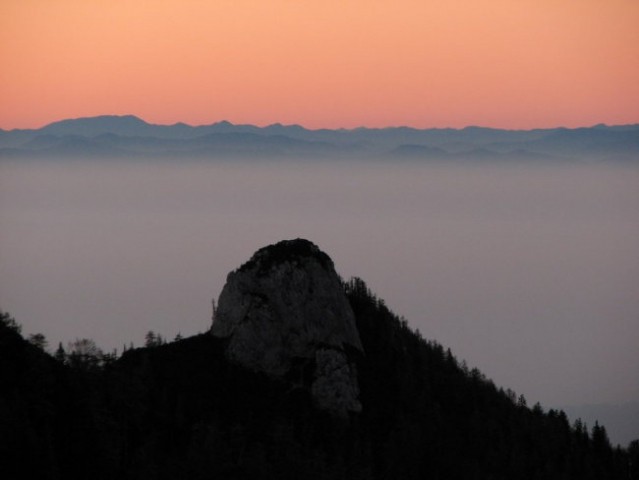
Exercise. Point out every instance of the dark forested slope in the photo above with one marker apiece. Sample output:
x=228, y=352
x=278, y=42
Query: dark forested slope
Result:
x=182, y=410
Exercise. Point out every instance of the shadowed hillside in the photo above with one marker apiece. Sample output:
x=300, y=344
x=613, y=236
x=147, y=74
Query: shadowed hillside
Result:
x=186, y=409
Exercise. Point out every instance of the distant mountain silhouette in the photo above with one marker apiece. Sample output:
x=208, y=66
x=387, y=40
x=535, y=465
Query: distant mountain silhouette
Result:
x=130, y=136
x=129, y=125
x=302, y=376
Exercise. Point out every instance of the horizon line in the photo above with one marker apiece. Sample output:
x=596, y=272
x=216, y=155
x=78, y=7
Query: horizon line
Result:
x=298, y=125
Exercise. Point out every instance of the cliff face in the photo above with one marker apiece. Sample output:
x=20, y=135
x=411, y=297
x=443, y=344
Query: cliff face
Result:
x=286, y=308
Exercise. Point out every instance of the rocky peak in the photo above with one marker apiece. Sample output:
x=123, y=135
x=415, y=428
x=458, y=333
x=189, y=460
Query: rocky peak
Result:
x=286, y=307
x=286, y=251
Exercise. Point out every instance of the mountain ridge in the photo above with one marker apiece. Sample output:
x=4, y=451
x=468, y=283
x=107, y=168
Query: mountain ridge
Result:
x=131, y=136
x=183, y=410
x=226, y=123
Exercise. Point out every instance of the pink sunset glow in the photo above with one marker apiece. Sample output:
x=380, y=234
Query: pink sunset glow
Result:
x=328, y=64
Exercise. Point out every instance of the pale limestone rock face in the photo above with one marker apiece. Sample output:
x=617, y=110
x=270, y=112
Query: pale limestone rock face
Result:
x=335, y=384
x=287, y=304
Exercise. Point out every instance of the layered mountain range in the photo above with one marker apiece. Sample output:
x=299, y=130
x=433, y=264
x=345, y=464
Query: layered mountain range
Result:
x=129, y=136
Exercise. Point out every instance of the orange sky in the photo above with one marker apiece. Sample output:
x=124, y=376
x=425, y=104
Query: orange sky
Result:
x=328, y=63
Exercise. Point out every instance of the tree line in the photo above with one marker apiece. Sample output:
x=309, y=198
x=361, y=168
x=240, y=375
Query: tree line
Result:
x=178, y=409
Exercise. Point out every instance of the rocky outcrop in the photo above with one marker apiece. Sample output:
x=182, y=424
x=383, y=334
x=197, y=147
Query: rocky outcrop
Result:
x=286, y=307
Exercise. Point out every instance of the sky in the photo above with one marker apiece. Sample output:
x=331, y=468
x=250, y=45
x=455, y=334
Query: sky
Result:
x=322, y=64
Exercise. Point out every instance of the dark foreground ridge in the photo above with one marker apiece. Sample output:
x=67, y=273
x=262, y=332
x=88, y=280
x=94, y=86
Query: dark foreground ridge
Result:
x=189, y=409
